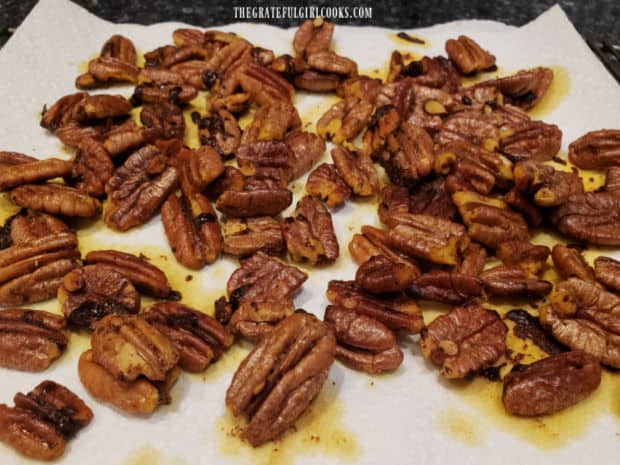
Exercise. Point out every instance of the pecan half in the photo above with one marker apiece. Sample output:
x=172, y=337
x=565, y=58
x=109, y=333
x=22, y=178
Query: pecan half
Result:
x=547, y=186
x=569, y=263
x=8, y=159
x=531, y=140
x=312, y=36
x=56, y=199
x=271, y=122
x=92, y=167
x=398, y=312
x=380, y=275
x=262, y=201
x=607, y=272
x=146, y=277
x=528, y=257
x=32, y=172
x=309, y=233
x=60, y=114
x=430, y=198
x=28, y=226
x=357, y=171
x=192, y=230
x=266, y=156
x=449, y=287
x=255, y=319
x=219, y=130
x=520, y=202
x=362, y=87
x=464, y=341
x=363, y=343
x=264, y=85
x=468, y=56
x=31, y=340
x=326, y=183
x=307, y=149
x=612, y=180
x=127, y=137
x=243, y=237
x=332, y=63
x=596, y=149
x=106, y=70
x=513, y=281
x=314, y=81
x=166, y=118
x=98, y=107
x=278, y=380
x=198, y=168
x=88, y=294
x=199, y=338
x=551, y=384
x=478, y=128
x=138, y=188
x=230, y=180
x=524, y=89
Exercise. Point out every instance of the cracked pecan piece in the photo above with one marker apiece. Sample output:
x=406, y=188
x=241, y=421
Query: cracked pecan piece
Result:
x=313, y=36
x=244, y=237
x=363, y=343
x=198, y=168
x=583, y=316
x=140, y=396
x=255, y=319
x=307, y=149
x=31, y=340
x=468, y=57
x=551, y=384
x=450, y=287
x=569, y=263
x=309, y=233
x=357, y=170
x=33, y=172
x=397, y=312
x=326, y=183
x=523, y=89
x=192, y=230
x=146, y=277
x=264, y=85
x=164, y=117
x=473, y=260
x=529, y=257
x=281, y=376
x=380, y=275
x=344, y=120
x=522, y=204
x=593, y=217
x=89, y=293
x=219, y=130
x=138, y=188
x=607, y=272
x=513, y=280
x=464, y=341
x=56, y=199
x=596, y=149
x=199, y=338
x=43, y=420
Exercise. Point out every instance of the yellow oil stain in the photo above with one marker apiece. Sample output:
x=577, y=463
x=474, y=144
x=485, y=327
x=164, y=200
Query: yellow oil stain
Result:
x=148, y=455
x=404, y=42
x=246, y=118
x=7, y=208
x=227, y=364
x=460, y=427
x=319, y=432
x=557, y=92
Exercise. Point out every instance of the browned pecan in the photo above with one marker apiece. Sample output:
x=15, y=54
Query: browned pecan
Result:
x=279, y=378
x=331, y=63
x=357, y=170
x=326, y=183
x=607, y=272
x=428, y=237
x=344, y=120
x=380, y=275
x=168, y=76
x=523, y=254
x=243, y=237
x=199, y=338
x=43, y=420
x=254, y=319
x=612, y=180
x=166, y=118
x=596, y=149
x=88, y=294
x=188, y=36
x=513, y=280
x=426, y=198
x=26, y=226
x=92, y=167
x=488, y=220
x=97, y=107
x=362, y=87
x=385, y=120
x=264, y=85
x=230, y=180
x=288, y=66
x=583, y=316
x=363, y=343
x=450, y=287
x=31, y=340
x=307, y=149
x=219, y=130
x=468, y=56
x=61, y=112
x=314, y=81
x=198, y=168
x=192, y=230
x=32, y=172
x=551, y=384
x=127, y=137
x=266, y=156
x=261, y=200
x=271, y=122
x=221, y=75
x=312, y=36
x=106, y=70
x=397, y=312
x=473, y=260
x=138, y=188
x=146, y=277
x=478, y=128
x=464, y=341
x=519, y=201
x=437, y=72
x=309, y=233
x=139, y=396
x=8, y=159
x=593, y=217
x=530, y=140
x=56, y=199
x=569, y=263
x=524, y=89
x=160, y=93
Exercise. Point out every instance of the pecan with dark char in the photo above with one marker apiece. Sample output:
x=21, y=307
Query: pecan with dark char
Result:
x=271, y=122
x=146, y=277
x=138, y=188
x=254, y=319
x=596, y=149
x=31, y=339
x=309, y=233
x=243, y=237
x=551, y=384
x=88, y=294
x=523, y=254
x=32, y=172
x=607, y=272
x=513, y=280
x=436, y=72
x=199, y=338
x=219, y=130
x=547, y=186
x=278, y=380
x=307, y=149
x=344, y=120
x=198, y=168
x=92, y=167
x=385, y=120
x=192, y=230
x=326, y=183
x=43, y=420
x=585, y=317
x=166, y=118
x=364, y=343
x=464, y=341
x=312, y=36
x=163, y=93
x=264, y=85
x=593, y=217
x=56, y=199
x=380, y=275
x=450, y=287
x=288, y=66
x=569, y=263
x=468, y=56
x=357, y=170
x=524, y=89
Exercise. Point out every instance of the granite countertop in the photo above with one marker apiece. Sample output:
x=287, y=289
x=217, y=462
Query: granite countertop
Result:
x=594, y=19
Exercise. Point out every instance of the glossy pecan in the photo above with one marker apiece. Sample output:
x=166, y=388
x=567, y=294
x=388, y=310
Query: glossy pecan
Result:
x=309, y=233
x=56, y=199
x=98, y=107
x=288, y=66
x=427, y=198
x=31, y=340
x=33, y=172
x=231, y=179
x=468, y=56
x=263, y=200
x=192, y=230
x=264, y=85
x=188, y=36
x=199, y=338
x=276, y=382
x=437, y=72
x=464, y=341
x=551, y=384
x=271, y=122
x=28, y=226
x=128, y=136
x=569, y=263
x=596, y=149
x=397, y=312
x=254, y=319
x=221, y=74
x=243, y=237
x=473, y=260
x=380, y=275
x=88, y=294
x=531, y=140
x=60, y=114
x=163, y=93
x=326, y=183
x=307, y=149
x=220, y=131
x=106, y=70
x=331, y=63
x=385, y=120
x=8, y=159
x=138, y=188
x=523, y=254
x=475, y=127
x=166, y=118
x=607, y=272
x=266, y=156
x=312, y=36
x=612, y=180
x=344, y=120
x=450, y=287
x=357, y=171
x=314, y=81
x=364, y=343
x=92, y=167
x=362, y=87
x=198, y=168
x=513, y=280
x=523, y=89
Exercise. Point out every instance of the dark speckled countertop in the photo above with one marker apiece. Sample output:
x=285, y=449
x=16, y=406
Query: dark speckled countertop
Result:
x=594, y=19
